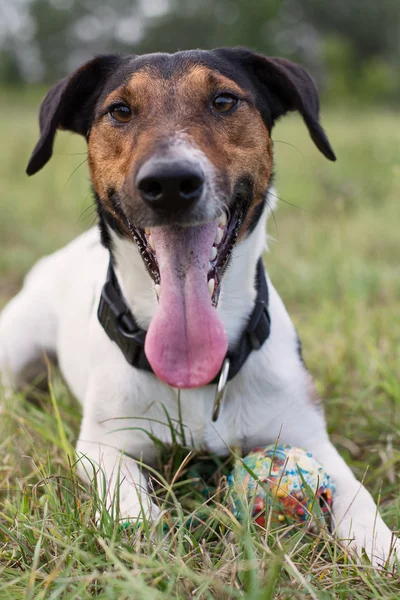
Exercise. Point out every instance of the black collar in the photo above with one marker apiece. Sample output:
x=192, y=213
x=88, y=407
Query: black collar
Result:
x=119, y=324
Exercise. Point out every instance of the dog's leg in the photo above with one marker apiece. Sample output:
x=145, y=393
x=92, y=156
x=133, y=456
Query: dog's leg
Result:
x=297, y=418
x=357, y=522
x=121, y=482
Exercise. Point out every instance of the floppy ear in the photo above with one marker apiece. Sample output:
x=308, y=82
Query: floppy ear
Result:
x=69, y=105
x=285, y=86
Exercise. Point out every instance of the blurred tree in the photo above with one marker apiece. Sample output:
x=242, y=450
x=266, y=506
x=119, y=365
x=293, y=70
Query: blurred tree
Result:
x=212, y=23
x=68, y=32
x=9, y=68
x=351, y=46
x=371, y=27
x=360, y=47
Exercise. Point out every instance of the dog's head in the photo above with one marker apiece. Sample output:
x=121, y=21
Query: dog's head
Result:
x=180, y=158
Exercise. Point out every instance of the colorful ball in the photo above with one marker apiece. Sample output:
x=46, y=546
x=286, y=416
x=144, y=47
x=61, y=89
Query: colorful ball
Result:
x=289, y=483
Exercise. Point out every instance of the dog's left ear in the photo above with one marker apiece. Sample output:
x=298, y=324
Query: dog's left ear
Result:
x=283, y=86
x=70, y=105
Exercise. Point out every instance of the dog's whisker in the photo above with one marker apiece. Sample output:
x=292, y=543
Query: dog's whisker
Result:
x=290, y=203
x=289, y=144
x=92, y=208
x=73, y=173
x=272, y=211
x=71, y=154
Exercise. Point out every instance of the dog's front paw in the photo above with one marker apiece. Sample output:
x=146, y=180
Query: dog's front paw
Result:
x=367, y=534
x=138, y=508
x=132, y=510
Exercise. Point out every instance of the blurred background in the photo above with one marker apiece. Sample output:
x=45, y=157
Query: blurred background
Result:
x=351, y=46
x=334, y=249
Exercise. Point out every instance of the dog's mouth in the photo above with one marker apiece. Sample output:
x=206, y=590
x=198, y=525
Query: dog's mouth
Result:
x=186, y=342
x=220, y=253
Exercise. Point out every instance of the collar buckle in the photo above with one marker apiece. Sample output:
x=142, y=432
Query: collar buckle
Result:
x=119, y=324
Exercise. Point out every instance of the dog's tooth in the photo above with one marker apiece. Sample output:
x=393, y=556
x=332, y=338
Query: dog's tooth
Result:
x=151, y=243
x=213, y=253
x=147, y=231
x=219, y=235
x=157, y=288
x=222, y=220
x=209, y=266
x=211, y=286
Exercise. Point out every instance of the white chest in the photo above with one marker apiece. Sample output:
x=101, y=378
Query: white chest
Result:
x=257, y=408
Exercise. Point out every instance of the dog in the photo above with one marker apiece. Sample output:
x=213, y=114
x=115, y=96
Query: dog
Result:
x=166, y=307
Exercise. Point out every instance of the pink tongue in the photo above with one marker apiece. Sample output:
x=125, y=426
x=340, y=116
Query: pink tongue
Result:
x=186, y=342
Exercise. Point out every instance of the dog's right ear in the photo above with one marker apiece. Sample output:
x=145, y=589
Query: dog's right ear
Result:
x=69, y=105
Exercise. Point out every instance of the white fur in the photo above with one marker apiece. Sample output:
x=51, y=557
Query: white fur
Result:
x=272, y=395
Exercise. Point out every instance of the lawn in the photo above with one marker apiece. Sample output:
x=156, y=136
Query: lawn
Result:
x=334, y=258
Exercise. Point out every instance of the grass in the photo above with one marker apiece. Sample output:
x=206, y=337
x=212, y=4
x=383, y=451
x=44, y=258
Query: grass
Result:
x=334, y=259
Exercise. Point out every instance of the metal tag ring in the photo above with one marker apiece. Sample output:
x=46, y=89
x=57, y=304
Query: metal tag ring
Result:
x=221, y=388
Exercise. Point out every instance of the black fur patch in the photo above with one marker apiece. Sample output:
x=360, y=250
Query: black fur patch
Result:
x=259, y=209
x=107, y=221
x=70, y=105
x=255, y=217
x=300, y=349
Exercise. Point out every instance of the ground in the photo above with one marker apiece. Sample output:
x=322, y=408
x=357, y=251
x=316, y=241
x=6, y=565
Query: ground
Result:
x=334, y=252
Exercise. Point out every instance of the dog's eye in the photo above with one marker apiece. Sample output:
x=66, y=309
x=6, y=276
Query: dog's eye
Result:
x=223, y=103
x=121, y=113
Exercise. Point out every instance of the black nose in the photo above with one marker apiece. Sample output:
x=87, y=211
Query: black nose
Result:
x=170, y=186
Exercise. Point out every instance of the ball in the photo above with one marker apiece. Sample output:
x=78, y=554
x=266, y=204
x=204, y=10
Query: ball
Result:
x=289, y=486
